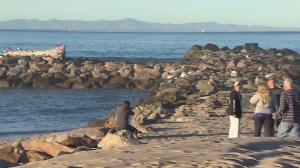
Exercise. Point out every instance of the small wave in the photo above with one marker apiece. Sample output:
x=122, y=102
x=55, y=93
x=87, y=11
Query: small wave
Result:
x=132, y=60
x=24, y=134
x=27, y=132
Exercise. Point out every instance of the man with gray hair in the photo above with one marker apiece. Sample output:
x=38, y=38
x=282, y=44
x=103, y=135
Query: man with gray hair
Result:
x=289, y=108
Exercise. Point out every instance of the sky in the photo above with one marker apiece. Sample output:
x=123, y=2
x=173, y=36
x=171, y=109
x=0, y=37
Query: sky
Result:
x=278, y=13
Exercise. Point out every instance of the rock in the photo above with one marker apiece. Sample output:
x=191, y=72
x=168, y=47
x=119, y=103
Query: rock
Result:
x=57, y=137
x=251, y=46
x=24, y=61
x=119, y=139
x=74, y=142
x=37, y=156
x=145, y=73
x=55, y=70
x=206, y=88
x=15, y=71
x=287, y=51
x=13, y=155
x=226, y=48
x=212, y=102
x=4, y=84
x=51, y=148
x=110, y=122
x=183, y=82
x=126, y=71
x=194, y=54
x=182, y=111
x=201, y=110
x=81, y=85
x=71, y=67
x=168, y=95
x=42, y=82
x=234, y=74
x=211, y=47
x=153, y=117
x=237, y=49
x=241, y=64
x=3, y=72
x=231, y=64
x=11, y=60
x=115, y=82
x=112, y=66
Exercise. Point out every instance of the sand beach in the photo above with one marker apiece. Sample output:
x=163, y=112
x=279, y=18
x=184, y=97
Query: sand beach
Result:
x=191, y=142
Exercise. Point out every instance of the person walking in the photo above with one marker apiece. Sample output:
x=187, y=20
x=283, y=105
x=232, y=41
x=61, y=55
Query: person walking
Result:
x=289, y=109
x=235, y=110
x=265, y=106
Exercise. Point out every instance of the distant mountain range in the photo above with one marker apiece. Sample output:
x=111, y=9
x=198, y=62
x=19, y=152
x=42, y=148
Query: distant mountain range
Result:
x=132, y=25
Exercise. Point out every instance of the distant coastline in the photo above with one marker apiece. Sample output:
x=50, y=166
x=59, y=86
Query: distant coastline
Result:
x=141, y=31
x=133, y=25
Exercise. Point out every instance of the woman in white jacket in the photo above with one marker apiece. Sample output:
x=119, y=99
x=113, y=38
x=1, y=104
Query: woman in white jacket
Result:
x=265, y=106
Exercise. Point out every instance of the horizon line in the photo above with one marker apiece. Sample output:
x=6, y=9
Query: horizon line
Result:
x=128, y=18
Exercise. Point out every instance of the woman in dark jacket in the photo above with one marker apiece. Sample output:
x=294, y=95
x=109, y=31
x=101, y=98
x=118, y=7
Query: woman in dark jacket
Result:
x=235, y=111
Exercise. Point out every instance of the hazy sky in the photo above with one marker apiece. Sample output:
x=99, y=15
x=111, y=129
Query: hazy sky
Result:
x=283, y=13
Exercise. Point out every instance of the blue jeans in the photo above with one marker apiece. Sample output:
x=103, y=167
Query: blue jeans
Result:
x=288, y=129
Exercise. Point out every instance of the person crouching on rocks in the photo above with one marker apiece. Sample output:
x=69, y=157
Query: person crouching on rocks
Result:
x=265, y=106
x=122, y=119
x=235, y=110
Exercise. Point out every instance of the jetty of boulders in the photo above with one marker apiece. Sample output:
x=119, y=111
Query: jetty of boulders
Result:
x=195, y=86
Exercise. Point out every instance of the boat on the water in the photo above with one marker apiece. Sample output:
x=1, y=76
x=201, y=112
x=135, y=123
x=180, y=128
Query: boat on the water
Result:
x=57, y=52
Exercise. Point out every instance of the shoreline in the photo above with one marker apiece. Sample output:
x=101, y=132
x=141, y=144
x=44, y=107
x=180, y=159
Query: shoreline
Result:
x=184, y=119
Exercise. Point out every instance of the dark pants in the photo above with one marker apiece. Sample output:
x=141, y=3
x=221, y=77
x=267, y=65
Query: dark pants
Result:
x=268, y=124
x=129, y=128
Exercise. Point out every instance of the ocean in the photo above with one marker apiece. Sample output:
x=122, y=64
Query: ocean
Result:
x=141, y=45
x=26, y=112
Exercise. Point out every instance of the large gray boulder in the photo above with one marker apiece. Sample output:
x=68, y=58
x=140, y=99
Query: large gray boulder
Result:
x=206, y=88
x=194, y=54
x=211, y=47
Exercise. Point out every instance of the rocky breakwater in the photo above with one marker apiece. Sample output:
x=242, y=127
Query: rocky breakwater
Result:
x=77, y=73
x=196, y=88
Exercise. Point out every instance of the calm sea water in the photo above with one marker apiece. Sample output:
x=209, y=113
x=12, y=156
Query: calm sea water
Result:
x=141, y=45
x=24, y=112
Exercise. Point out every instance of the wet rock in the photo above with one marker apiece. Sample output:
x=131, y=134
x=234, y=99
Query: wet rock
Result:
x=37, y=156
x=15, y=71
x=194, y=54
x=231, y=64
x=74, y=142
x=51, y=148
x=13, y=155
x=42, y=82
x=251, y=46
x=11, y=60
x=211, y=47
x=206, y=88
